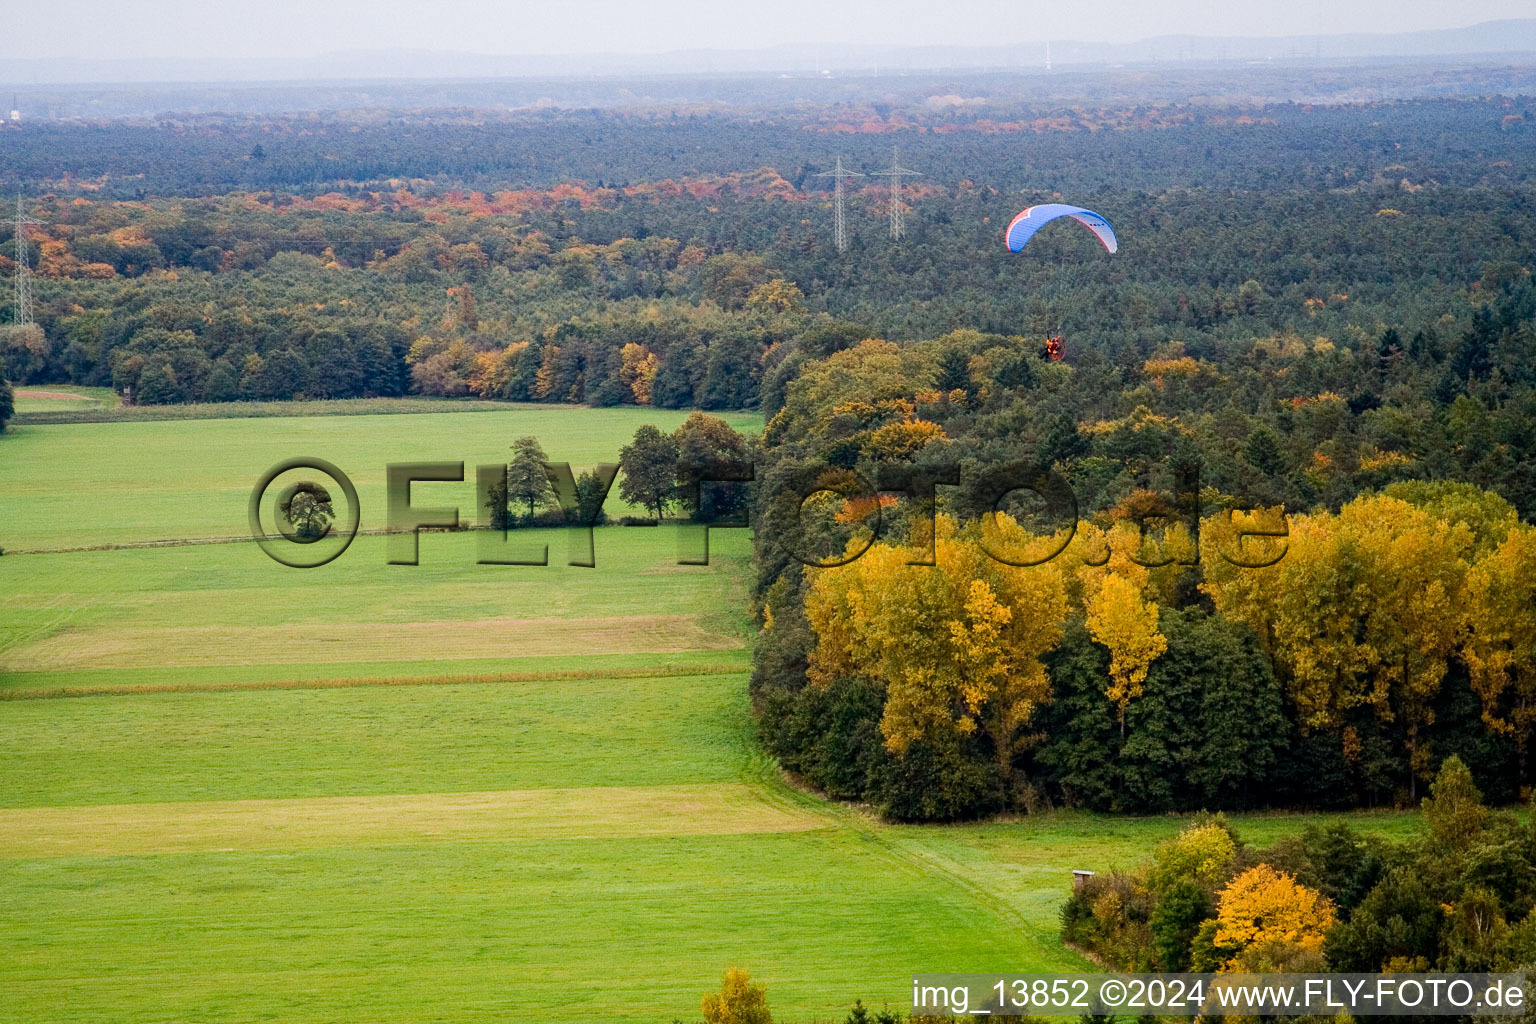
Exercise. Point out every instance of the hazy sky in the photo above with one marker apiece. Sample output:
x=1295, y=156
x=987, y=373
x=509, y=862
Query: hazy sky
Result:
x=303, y=28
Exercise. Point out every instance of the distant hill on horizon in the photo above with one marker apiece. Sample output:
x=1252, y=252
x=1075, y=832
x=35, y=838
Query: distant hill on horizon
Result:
x=1493, y=37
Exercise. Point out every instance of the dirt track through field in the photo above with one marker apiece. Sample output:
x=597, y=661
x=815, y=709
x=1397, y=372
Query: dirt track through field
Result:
x=614, y=812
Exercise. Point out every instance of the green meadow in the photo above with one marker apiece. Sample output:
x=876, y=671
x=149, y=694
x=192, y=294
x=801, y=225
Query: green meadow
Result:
x=234, y=791
x=81, y=484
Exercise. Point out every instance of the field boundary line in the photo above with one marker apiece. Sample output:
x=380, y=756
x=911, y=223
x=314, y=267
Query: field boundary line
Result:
x=187, y=542
x=351, y=682
x=284, y=409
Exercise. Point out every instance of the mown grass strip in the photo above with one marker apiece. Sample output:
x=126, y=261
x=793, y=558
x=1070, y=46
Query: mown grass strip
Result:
x=346, y=682
x=223, y=826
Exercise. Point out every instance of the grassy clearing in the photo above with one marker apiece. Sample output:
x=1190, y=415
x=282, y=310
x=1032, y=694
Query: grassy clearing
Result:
x=77, y=484
x=1022, y=869
x=63, y=400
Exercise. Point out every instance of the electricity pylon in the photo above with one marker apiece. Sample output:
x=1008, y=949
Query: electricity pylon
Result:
x=22, y=316
x=839, y=220
x=895, y=174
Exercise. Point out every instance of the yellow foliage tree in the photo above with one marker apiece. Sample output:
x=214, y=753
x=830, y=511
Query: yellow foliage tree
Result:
x=1305, y=609
x=637, y=368
x=1121, y=620
x=1362, y=610
x=1272, y=920
x=1202, y=854
x=1414, y=572
x=899, y=441
x=1500, y=612
x=776, y=297
x=958, y=646
x=738, y=1001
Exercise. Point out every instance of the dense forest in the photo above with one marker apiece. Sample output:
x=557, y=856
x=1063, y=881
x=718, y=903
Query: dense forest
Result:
x=1151, y=660
x=684, y=292
x=1325, y=310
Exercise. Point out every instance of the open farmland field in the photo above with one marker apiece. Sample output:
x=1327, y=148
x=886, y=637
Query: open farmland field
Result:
x=231, y=791
x=78, y=484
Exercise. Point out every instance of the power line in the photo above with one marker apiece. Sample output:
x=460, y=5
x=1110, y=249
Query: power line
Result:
x=895, y=174
x=839, y=220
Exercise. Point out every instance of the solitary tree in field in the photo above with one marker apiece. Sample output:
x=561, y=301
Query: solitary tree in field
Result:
x=526, y=481
x=649, y=464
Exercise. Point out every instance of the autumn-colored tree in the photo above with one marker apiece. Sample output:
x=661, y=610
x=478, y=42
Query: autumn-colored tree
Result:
x=1274, y=922
x=446, y=372
x=1203, y=854
x=863, y=387
x=637, y=368
x=545, y=381
x=957, y=646
x=1122, y=621
x=1499, y=609
x=1110, y=587
x=1305, y=609
x=738, y=1001
x=776, y=297
x=1186, y=872
x=1414, y=570
x=494, y=371
x=896, y=441
x=1489, y=516
x=1362, y=611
